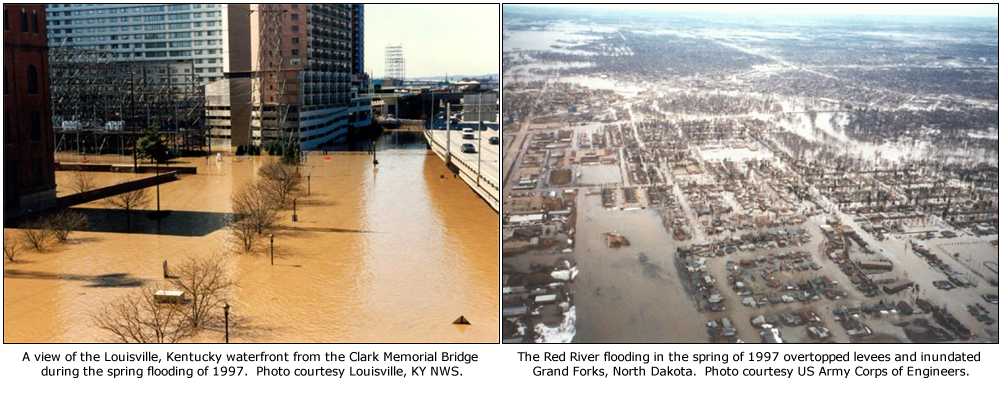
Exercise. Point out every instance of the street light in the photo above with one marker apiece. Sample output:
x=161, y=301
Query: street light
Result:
x=295, y=215
x=479, y=151
x=272, y=249
x=225, y=310
x=309, y=185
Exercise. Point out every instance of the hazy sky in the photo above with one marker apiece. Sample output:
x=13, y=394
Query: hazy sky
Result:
x=969, y=10
x=457, y=39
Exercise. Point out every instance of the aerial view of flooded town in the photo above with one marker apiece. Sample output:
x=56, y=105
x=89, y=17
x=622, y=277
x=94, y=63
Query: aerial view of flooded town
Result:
x=692, y=177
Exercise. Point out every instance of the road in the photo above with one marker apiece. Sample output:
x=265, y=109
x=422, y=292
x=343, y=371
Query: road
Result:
x=485, y=162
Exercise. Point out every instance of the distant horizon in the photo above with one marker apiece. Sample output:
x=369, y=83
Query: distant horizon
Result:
x=977, y=11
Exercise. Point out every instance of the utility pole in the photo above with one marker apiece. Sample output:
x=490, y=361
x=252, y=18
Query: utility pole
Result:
x=145, y=84
x=157, y=186
x=135, y=156
x=173, y=103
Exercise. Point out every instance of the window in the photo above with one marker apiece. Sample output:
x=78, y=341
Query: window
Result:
x=8, y=137
x=295, y=28
x=32, y=80
x=36, y=126
x=34, y=22
x=295, y=17
x=24, y=20
x=6, y=20
x=295, y=40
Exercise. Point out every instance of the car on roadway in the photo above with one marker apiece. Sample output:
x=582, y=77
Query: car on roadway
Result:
x=468, y=134
x=494, y=140
x=468, y=148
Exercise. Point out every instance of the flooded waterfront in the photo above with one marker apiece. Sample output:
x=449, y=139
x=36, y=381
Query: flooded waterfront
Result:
x=392, y=254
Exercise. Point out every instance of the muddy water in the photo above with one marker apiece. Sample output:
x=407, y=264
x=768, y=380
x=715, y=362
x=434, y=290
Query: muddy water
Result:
x=631, y=294
x=388, y=254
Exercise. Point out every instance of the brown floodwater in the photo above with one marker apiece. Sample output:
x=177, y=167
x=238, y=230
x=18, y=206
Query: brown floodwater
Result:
x=392, y=254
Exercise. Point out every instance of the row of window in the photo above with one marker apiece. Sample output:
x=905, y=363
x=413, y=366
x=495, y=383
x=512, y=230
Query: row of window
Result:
x=139, y=45
x=100, y=25
x=115, y=10
x=137, y=28
x=30, y=76
x=209, y=14
x=24, y=21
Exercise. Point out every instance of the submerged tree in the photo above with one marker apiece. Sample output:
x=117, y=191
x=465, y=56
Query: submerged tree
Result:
x=254, y=211
x=279, y=181
x=82, y=182
x=35, y=235
x=11, y=248
x=129, y=201
x=139, y=318
x=64, y=222
x=206, y=283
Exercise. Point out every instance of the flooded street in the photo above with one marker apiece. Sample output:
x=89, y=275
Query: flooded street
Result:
x=392, y=254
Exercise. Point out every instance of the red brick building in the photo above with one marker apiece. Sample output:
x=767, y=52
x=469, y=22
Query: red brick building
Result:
x=28, y=160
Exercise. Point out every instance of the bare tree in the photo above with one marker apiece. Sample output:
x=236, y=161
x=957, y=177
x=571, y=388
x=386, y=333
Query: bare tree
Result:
x=64, y=222
x=206, y=283
x=11, y=247
x=279, y=181
x=82, y=182
x=254, y=211
x=139, y=318
x=35, y=235
x=129, y=201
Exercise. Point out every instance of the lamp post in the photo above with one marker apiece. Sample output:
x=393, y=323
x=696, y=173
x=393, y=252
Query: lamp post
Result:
x=295, y=214
x=225, y=311
x=479, y=150
x=309, y=185
x=157, y=186
x=272, y=249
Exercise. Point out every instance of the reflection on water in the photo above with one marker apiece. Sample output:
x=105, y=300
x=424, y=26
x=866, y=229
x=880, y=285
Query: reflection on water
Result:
x=388, y=254
x=390, y=139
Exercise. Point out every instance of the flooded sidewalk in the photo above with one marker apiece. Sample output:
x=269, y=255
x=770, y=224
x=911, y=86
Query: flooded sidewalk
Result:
x=392, y=254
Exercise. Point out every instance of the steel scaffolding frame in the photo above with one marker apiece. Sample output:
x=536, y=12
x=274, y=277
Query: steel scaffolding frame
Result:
x=270, y=106
x=98, y=96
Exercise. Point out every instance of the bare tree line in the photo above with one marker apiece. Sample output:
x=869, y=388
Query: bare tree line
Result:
x=37, y=234
x=256, y=204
